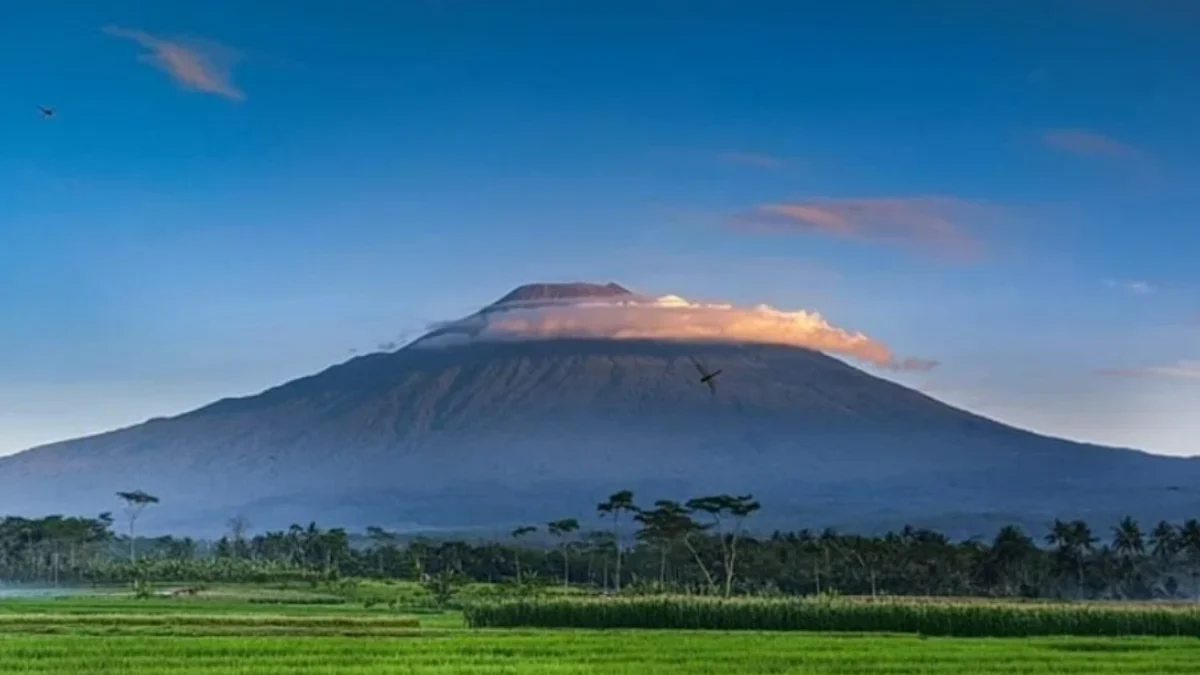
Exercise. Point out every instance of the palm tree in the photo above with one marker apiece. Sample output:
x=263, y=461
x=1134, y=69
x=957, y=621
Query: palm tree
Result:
x=1130, y=547
x=1071, y=541
x=617, y=503
x=560, y=529
x=135, y=502
x=1164, y=547
x=1104, y=566
x=1164, y=541
x=1007, y=560
x=1127, y=538
x=1083, y=543
x=1189, y=543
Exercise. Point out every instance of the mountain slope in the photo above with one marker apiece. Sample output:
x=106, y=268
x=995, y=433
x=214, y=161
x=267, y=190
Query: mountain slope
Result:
x=493, y=432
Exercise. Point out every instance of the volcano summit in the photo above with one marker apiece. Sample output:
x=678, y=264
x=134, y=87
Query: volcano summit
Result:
x=542, y=403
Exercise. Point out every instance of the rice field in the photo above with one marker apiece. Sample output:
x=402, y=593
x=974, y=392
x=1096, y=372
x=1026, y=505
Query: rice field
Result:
x=563, y=652
x=221, y=635
x=967, y=619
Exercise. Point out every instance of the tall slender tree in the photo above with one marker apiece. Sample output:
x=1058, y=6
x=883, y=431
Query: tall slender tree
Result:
x=381, y=541
x=136, y=501
x=618, y=503
x=657, y=530
x=560, y=529
x=238, y=526
x=720, y=507
x=673, y=523
x=516, y=535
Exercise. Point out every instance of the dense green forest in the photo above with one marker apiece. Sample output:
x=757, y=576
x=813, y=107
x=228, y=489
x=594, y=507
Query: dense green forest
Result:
x=701, y=546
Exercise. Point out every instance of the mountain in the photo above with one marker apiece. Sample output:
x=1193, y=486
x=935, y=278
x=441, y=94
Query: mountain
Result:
x=488, y=433
x=559, y=291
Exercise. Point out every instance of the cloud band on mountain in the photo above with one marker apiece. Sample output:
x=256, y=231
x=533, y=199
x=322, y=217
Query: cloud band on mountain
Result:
x=668, y=317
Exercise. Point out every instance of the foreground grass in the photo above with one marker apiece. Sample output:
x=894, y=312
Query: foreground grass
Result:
x=943, y=618
x=228, y=632
x=224, y=612
x=195, y=624
x=613, y=652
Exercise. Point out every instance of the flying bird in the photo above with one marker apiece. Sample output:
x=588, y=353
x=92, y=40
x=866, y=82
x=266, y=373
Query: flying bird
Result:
x=46, y=112
x=705, y=376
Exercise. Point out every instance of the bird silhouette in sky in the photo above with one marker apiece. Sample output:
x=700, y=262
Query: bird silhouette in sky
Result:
x=46, y=112
x=705, y=376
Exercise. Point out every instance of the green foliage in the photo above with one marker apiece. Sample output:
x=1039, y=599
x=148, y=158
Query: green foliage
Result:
x=958, y=619
x=443, y=586
x=697, y=547
x=212, y=570
x=142, y=589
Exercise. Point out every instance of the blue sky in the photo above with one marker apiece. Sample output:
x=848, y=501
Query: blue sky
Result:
x=234, y=194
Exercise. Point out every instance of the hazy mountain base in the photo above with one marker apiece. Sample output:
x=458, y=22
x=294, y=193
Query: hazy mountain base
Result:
x=489, y=434
x=490, y=509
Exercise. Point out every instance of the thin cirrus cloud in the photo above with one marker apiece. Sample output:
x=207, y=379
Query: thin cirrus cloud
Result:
x=1180, y=370
x=754, y=159
x=199, y=65
x=929, y=224
x=1135, y=286
x=1090, y=144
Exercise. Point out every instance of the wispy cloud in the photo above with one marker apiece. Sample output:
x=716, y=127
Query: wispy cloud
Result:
x=1137, y=287
x=196, y=64
x=755, y=159
x=933, y=224
x=1186, y=370
x=1090, y=144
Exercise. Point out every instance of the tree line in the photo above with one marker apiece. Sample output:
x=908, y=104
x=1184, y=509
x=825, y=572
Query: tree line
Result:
x=701, y=545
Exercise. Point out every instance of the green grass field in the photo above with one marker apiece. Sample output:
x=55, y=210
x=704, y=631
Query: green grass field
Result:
x=224, y=632
x=588, y=652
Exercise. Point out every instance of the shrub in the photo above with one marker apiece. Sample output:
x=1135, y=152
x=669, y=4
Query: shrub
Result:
x=975, y=619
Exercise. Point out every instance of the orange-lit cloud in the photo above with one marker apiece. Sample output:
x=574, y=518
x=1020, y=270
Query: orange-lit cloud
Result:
x=754, y=159
x=669, y=318
x=1186, y=370
x=1089, y=144
x=928, y=223
x=199, y=65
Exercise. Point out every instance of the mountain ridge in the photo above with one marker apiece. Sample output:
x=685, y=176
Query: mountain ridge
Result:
x=571, y=290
